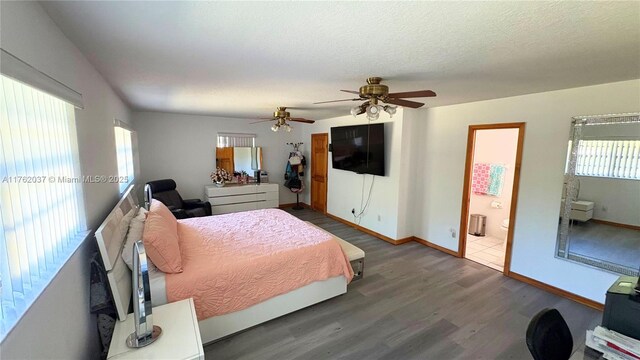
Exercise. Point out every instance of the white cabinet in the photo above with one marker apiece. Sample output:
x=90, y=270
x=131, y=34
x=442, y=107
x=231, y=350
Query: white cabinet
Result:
x=180, y=337
x=234, y=198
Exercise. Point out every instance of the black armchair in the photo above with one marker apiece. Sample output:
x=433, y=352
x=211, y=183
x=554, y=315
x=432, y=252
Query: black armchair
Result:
x=165, y=191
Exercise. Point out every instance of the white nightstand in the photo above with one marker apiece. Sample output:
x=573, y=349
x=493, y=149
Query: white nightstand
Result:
x=180, y=337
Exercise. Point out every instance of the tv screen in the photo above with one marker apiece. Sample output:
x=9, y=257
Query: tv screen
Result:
x=358, y=148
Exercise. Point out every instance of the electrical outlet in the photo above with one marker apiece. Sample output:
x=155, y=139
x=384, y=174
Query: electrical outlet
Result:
x=379, y=217
x=452, y=231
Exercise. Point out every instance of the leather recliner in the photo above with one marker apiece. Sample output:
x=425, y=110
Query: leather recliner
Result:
x=165, y=192
x=549, y=337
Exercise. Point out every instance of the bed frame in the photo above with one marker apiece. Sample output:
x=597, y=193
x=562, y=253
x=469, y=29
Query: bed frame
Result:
x=111, y=236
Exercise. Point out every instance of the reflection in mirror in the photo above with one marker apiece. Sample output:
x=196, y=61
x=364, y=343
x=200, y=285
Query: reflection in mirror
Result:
x=239, y=158
x=600, y=204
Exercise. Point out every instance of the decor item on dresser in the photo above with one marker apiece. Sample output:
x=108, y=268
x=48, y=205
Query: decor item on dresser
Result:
x=294, y=171
x=220, y=177
x=241, y=197
x=165, y=191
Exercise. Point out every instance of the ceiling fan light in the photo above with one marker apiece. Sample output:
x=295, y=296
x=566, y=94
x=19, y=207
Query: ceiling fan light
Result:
x=274, y=127
x=391, y=110
x=373, y=112
x=287, y=127
x=355, y=111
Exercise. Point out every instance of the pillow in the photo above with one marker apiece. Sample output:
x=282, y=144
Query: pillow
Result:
x=160, y=238
x=136, y=227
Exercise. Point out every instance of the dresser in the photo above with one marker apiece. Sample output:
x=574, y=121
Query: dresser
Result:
x=180, y=337
x=233, y=198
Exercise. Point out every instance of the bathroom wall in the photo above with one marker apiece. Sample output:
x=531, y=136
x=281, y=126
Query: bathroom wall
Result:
x=495, y=147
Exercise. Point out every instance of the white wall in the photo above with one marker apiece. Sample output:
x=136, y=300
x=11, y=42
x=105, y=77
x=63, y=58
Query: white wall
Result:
x=182, y=147
x=495, y=147
x=615, y=200
x=437, y=204
x=58, y=325
x=345, y=188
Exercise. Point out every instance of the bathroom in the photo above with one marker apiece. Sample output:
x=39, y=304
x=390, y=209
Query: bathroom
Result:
x=492, y=180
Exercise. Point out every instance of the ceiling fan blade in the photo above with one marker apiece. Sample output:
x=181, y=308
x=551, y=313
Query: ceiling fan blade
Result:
x=413, y=94
x=261, y=121
x=404, y=103
x=351, y=92
x=332, y=101
x=302, y=120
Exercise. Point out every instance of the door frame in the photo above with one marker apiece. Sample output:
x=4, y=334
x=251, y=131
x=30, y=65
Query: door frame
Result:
x=326, y=173
x=468, y=170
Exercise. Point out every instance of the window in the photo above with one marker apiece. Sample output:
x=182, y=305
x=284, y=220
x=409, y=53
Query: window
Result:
x=236, y=140
x=41, y=208
x=608, y=158
x=124, y=150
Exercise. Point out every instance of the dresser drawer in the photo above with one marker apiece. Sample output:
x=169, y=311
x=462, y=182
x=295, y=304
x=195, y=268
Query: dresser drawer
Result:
x=234, y=199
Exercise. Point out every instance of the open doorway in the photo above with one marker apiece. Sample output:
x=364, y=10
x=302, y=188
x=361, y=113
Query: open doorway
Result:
x=492, y=176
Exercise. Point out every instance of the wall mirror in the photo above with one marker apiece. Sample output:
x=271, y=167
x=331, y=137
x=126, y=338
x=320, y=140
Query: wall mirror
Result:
x=239, y=158
x=600, y=206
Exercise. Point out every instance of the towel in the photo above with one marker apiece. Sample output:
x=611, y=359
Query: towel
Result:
x=496, y=179
x=480, y=178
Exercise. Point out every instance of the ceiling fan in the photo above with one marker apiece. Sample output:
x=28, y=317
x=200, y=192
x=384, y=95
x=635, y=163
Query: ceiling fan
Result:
x=375, y=92
x=281, y=116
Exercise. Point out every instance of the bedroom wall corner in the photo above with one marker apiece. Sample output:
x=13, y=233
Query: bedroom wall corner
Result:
x=29, y=33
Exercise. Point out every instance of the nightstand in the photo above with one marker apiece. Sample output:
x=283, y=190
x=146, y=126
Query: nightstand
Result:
x=180, y=337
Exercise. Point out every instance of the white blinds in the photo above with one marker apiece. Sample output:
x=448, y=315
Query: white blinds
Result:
x=41, y=205
x=609, y=158
x=233, y=140
x=124, y=151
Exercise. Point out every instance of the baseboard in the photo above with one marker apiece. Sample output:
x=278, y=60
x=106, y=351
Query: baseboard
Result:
x=611, y=223
x=546, y=287
x=557, y=291
x=290, y=205
x=434, y=246
x=371, y=232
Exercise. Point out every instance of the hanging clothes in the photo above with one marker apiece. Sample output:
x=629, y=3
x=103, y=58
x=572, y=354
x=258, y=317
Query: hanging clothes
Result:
x=294, y=171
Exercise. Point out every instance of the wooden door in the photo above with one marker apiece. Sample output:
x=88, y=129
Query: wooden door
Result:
x=224, y=159
x=319, y=163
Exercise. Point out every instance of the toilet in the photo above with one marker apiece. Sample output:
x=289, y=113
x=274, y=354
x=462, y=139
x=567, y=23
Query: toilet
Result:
x=504, y=226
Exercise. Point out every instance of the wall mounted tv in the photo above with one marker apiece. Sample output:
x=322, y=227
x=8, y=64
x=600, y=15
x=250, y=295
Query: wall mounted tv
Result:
x=358, y=148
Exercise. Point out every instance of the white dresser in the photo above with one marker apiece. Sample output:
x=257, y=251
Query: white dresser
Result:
x=233, y=198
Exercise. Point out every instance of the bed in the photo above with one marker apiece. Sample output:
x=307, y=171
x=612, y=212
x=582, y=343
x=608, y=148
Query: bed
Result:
x=111, y=236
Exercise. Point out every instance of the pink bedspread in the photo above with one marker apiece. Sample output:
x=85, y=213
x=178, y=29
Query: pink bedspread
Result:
x=234, y=261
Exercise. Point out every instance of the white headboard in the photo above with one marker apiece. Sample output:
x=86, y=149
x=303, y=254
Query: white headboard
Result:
x=111, y=236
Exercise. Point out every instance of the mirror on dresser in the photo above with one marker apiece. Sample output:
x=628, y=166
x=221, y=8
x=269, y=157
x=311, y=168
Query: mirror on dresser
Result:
x=240, y=158
x=600, y=205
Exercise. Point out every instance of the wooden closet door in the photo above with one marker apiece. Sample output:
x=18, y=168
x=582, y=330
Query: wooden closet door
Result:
x=319, y=163
x=224, y=159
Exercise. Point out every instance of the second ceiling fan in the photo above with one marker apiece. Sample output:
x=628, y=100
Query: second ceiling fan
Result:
x=281, y=116
x=375, y=92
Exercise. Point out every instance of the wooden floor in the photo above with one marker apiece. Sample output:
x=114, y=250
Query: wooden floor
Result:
x=413, y=303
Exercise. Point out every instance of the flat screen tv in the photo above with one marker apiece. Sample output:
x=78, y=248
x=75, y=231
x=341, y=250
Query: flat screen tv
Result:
x=358, y=148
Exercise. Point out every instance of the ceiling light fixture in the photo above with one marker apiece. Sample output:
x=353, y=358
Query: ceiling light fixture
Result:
x=391, y=110
x=275, y=127
x=373, y=112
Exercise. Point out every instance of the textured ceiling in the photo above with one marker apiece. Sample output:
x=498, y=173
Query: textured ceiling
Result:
x=242, y=59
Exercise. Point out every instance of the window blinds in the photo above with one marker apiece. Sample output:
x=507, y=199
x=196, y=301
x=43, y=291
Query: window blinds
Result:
x=609, y=158
x=233, y=140
x=41, y=207
x=124, y=152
